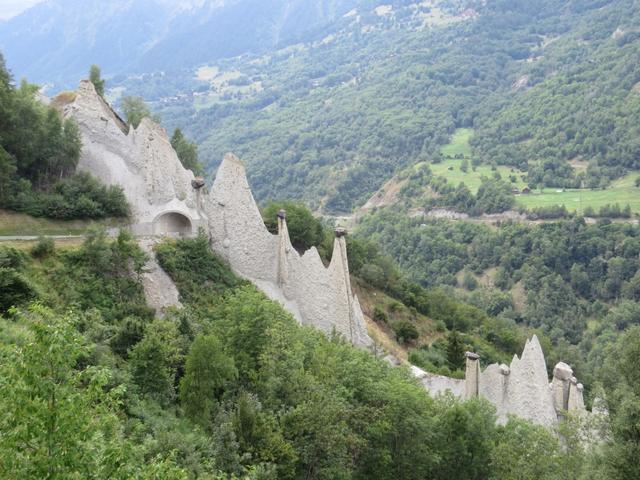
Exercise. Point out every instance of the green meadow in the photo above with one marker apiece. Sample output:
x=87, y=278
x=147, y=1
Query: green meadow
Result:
x=450, y=167
x=622, y=191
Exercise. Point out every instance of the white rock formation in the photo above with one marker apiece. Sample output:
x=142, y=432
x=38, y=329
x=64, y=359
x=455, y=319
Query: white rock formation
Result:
x=316, y=295
x=159, y=289
x=165, y=200
x=521, y=389
x=139, y=160
x=528, y=392
x=437, y=384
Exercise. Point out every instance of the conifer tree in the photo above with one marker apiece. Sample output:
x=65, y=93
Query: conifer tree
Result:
x=95, y=78
x=455, y=350
x=207, y=371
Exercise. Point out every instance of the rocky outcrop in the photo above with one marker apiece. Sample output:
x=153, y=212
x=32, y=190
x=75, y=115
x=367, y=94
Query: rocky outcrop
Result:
x=437, y=384
x=166, y=199
x=159, y=289
x=521, y=388
x=140, y=160
x=316, y=295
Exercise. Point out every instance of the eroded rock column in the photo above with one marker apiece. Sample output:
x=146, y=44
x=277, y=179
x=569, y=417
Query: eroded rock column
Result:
x=576, y=400
x=341, y=234
x=562, y=373
x=283, y=247
x=472, y=375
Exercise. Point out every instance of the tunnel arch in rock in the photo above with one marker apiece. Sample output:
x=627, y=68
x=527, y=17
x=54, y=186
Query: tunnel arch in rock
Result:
x=173, y=223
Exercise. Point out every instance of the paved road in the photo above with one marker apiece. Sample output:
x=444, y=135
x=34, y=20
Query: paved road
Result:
x=10, y=238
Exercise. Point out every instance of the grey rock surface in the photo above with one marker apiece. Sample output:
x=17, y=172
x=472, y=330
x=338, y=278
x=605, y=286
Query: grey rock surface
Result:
x=140, y=160
x=159, y=289
x=437, y=384
x=520, y=389
x=166, y=199
x=316, y=295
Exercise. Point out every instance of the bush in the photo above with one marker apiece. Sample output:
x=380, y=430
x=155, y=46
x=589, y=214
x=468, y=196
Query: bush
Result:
x=44, y=248
x=12, y=257
x=15, y=289
x=305, y=230
x=379, y=315
x=469, y=281
x=79, y=196
x=428, y=358
x=405, y=331
x=195, y=270
x=550, y=212
x=395, y=306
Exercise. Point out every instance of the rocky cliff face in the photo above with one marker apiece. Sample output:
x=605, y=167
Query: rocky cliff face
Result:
x=165, y=200
x=316, y=295
x=139, y=160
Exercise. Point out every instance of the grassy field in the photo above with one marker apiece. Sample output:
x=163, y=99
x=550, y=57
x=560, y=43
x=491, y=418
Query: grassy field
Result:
x=450, y=167
x=60, y=243
x=622, y=191
x=12, y=223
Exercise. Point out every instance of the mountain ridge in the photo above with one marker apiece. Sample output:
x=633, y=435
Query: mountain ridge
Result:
x=143, y=35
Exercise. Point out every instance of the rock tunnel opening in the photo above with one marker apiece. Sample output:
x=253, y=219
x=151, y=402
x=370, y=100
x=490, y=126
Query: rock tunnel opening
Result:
x=172, y=223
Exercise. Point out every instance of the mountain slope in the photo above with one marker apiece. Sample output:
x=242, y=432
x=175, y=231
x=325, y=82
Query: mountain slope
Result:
x=331, y=98
x=330, y=121
x=57, y=39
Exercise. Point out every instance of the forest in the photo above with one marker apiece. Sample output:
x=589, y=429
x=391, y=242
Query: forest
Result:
x=39, y=152
x=577, y=282
x=231, y=386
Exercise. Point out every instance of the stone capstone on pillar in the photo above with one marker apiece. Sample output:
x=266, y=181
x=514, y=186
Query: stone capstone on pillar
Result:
x=576, y=400
x=562, y=374
x=472, y=375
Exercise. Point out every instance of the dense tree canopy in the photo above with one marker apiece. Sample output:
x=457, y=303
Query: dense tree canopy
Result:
x=259, y=396
x=39, y=152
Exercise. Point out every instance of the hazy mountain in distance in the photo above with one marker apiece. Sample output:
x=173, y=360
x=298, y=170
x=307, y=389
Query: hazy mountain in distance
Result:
x=57, y=40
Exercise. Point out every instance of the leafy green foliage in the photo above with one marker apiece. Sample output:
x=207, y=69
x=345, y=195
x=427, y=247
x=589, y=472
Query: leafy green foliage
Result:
x=98, y=276
x=262, y=396
x=526, y=452
x=78, y=196
x=561, y=265
x=455, y=350
x=305, y=231
x=621, y=378
x=96, y=79
x=44, y=248
x=208, y=370
x=135, y=109
x=192, y=267
x=379, y=315
x=15, y=287
x=39, y=152
x=187, y=152
x=405, y=331
x=493, y=196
